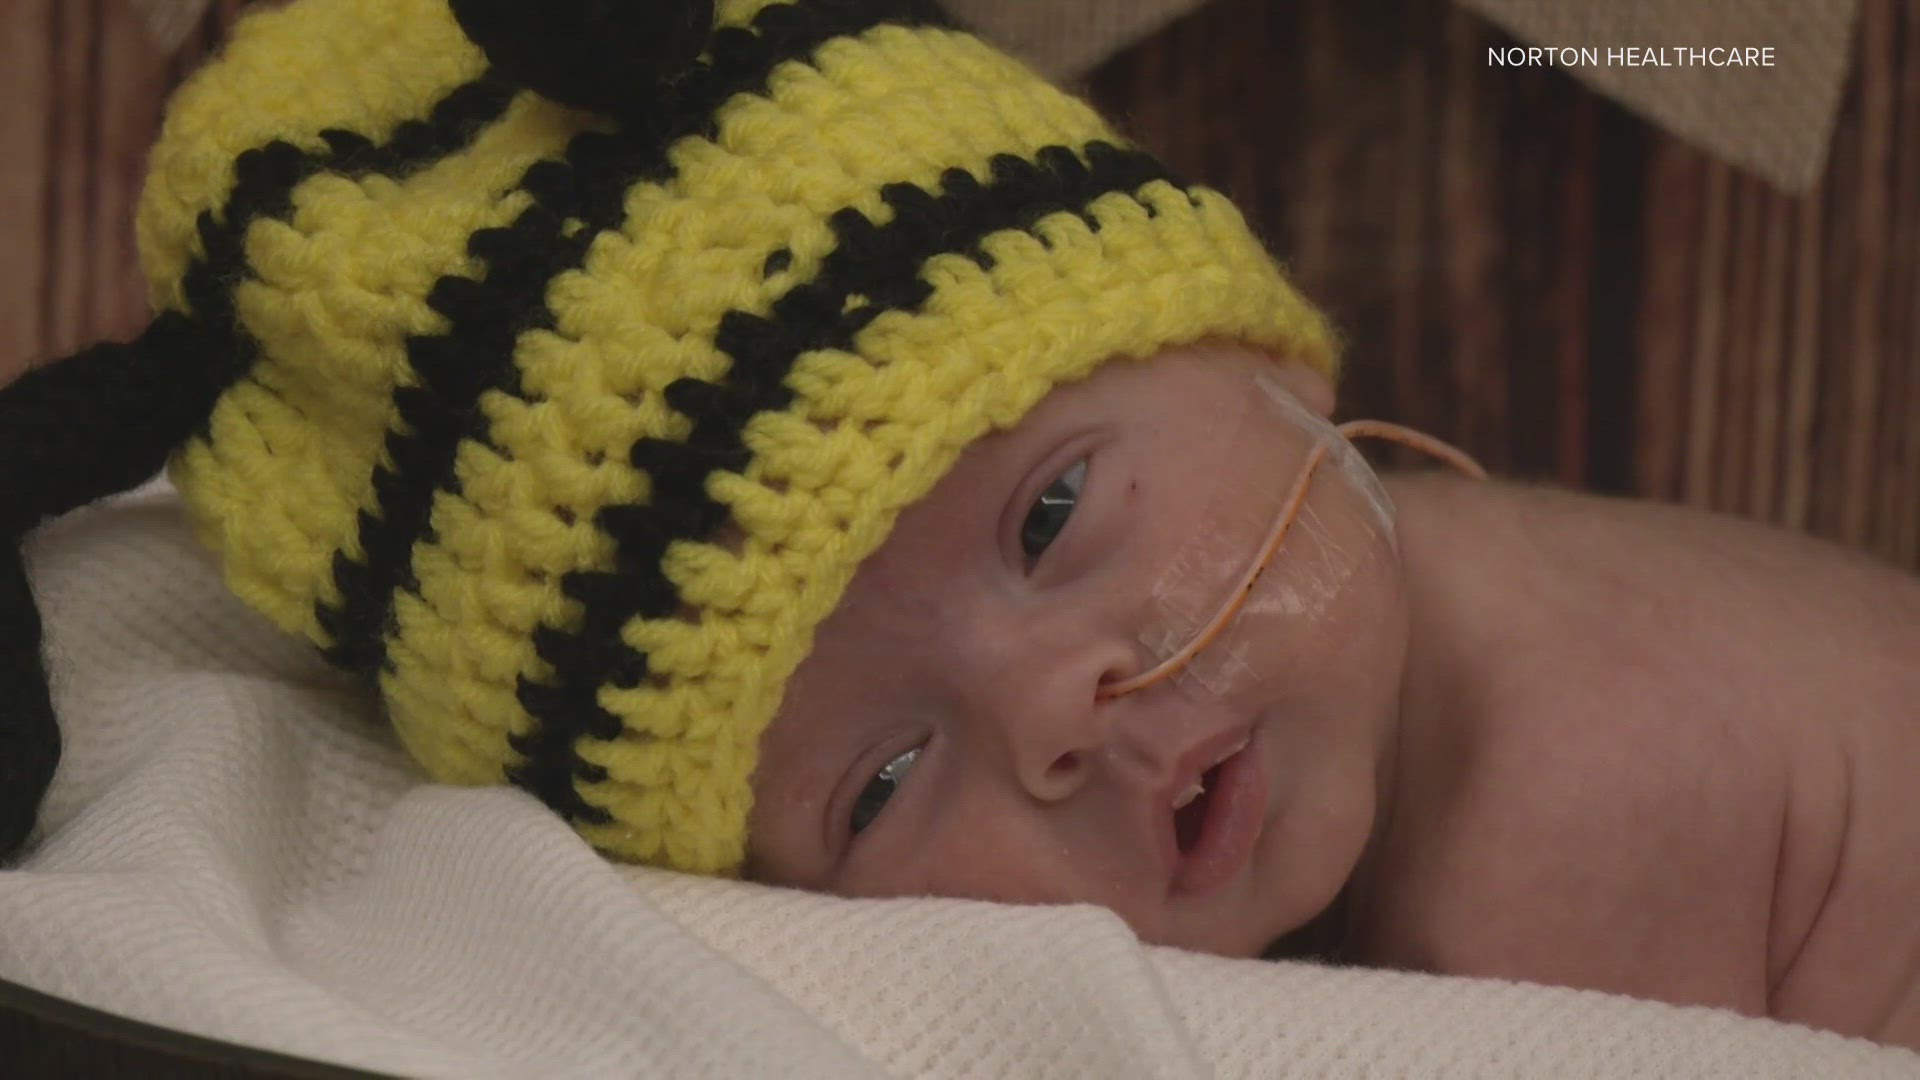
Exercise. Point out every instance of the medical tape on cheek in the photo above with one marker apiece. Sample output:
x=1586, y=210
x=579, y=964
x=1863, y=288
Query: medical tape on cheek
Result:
x=1182, y=597
x=1306, y=574
x=1184, y=600
x=1342, y=458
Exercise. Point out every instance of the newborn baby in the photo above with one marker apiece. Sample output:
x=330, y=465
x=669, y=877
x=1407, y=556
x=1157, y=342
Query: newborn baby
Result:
x=1541, y=736
x=791, y=439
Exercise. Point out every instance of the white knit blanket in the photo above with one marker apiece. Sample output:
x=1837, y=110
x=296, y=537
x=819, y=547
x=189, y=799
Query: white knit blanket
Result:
x=236, y=847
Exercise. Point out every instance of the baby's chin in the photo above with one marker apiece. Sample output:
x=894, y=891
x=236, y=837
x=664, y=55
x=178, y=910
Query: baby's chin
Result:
x=1258, y=934
x=1322, y=938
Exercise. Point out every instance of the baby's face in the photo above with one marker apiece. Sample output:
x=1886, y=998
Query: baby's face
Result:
x=948, y=736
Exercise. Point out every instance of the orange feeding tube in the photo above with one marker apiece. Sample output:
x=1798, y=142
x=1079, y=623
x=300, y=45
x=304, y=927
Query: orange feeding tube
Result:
x=1270, y=547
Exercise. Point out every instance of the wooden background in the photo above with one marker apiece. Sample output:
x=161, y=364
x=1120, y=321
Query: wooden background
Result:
x=1522, y=267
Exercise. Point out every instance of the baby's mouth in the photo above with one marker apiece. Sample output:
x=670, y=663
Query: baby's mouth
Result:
x=1190, y=809
x=1217, y=817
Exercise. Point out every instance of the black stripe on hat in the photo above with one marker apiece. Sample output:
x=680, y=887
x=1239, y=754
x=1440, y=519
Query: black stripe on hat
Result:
x=264, y=181
x=881, y=263
x=486, y=316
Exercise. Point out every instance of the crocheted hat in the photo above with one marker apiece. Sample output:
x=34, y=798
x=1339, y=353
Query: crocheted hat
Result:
x=555, y=365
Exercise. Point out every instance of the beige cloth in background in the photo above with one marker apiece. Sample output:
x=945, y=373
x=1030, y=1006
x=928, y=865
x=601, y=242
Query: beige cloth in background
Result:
x=1065, y=39
x=1774, y=121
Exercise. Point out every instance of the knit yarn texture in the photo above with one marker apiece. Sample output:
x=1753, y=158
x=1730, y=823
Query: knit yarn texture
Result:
x=567, y=426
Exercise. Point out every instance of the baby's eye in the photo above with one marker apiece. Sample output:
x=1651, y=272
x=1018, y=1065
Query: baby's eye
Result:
x=1050, y=511
x=874, y=796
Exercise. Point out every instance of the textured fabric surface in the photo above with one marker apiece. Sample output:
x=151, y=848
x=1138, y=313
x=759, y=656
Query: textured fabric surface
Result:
x=1775, y=121
x=170, y=21
x=1065, y=39
x=235, y=846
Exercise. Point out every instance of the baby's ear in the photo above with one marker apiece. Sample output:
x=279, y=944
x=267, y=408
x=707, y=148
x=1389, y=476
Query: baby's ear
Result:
x=1309, y=384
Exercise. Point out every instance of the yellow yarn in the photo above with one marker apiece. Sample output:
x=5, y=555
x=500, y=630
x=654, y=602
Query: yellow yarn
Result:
x=348, y=298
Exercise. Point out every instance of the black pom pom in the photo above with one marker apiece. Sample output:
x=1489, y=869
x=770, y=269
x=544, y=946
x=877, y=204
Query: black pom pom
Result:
x=606, y=56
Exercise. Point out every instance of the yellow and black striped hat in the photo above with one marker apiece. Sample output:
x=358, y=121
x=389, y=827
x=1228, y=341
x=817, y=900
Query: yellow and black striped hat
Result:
x=556, y=364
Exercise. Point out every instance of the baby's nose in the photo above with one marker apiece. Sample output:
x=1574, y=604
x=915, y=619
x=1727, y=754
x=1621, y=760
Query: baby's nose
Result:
x=1044, y=705
x=1056, y=727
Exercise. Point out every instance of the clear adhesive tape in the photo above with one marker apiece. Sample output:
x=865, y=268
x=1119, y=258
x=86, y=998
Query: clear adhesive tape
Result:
x=1344, y=520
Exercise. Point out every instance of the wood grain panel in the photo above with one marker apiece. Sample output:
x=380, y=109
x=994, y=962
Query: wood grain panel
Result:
x=25, y=175
x=84, y=104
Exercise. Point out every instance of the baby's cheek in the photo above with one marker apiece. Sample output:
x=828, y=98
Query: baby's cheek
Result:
x=966, y=855
x=1339, y=608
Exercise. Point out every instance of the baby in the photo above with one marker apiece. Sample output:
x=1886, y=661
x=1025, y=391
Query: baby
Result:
x=790, y=440
x=1546, y=737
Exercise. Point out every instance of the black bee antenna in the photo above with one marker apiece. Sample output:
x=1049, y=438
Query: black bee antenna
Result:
x=91, y=425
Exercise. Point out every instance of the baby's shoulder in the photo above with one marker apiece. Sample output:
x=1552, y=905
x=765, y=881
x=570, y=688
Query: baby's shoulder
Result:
x=1721, y=629
x=1609, y=641
x=1650, y=568
x=1701, y=686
